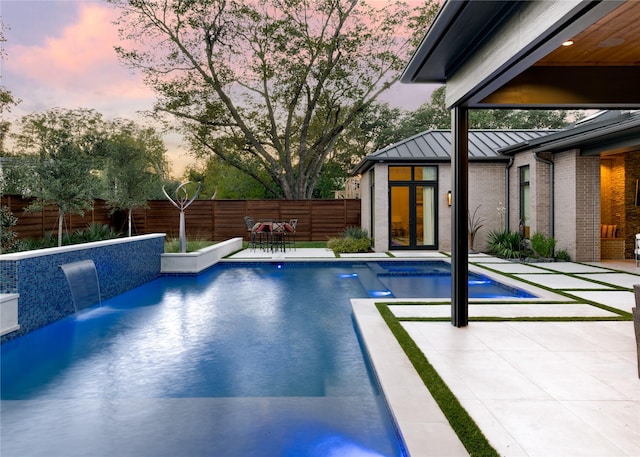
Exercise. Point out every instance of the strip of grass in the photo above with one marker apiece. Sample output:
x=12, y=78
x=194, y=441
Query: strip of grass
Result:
x=567, y=293
x=521, y=319
x=465, y=427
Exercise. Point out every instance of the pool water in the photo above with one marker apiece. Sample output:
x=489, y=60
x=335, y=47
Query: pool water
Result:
x=238, y=361
x=242, y=360
x=427, y=280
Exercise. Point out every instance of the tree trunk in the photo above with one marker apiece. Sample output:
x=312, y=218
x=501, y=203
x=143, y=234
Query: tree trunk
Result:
x=60, y=218
x=129, y=220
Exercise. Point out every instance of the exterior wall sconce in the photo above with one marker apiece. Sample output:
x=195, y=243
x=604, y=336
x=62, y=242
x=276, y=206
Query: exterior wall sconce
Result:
x=449, y=198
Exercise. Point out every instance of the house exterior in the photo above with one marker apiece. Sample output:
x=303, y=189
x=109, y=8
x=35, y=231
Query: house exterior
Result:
x=576, y=185
x=584, y=185
x=527, y=54
x=406, y=188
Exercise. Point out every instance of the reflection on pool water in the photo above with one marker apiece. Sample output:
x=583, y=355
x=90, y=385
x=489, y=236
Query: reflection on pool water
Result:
x=254, y=360
x=242, y=360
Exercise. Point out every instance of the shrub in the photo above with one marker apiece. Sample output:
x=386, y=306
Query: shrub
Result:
x=353, y=239
x=172, y=245
x=505, y=244
x=357, y=233
x=563, y=255
x=47, y=241
x=8, y=238
x=342, y=245
x=93, y=232
x=542, y=245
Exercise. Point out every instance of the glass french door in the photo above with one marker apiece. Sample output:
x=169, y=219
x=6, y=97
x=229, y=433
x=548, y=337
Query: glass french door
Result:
x=413, y=216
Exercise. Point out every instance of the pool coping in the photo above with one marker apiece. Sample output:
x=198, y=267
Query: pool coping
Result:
x=541, y=294
x=421, y=424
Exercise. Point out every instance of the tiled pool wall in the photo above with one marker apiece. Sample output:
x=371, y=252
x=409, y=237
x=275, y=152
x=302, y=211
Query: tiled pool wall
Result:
x=45, y=296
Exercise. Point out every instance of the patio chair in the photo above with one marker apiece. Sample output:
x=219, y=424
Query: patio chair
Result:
x=248, y=220
x=291, y=233
x=278, y=236
x=263, y=234
x=251, y=233
x=636, y=251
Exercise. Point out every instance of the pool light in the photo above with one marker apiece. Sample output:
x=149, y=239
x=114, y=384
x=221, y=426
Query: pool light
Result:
x=348, y=275
x=380, y=293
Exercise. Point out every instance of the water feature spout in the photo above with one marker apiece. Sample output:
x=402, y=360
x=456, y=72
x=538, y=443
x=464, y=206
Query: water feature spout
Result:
x=82, y=278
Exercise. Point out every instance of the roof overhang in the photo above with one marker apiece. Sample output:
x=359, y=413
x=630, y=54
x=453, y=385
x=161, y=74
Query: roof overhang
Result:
x=509, y=54
x=450, y=38
x=593, y=138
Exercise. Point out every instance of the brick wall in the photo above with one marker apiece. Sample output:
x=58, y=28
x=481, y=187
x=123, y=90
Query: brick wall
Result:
x=612, y=248
x=541, y=195
x=486, y=192
x=564, y=191
x=587, y=208
x=577, y=205
x=445, y=184
x=632, y=212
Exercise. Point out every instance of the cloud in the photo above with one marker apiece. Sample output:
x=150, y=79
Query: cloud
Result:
x=75, y=66
x=78, y=67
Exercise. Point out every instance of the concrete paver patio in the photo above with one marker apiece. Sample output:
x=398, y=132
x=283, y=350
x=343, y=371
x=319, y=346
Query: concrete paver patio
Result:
x=553, y=388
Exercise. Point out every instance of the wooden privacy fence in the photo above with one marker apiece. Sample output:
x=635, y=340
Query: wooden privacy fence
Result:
x=215, y=220
x=37, y=224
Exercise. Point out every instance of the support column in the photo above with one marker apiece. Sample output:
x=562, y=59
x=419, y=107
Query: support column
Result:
x=459, y=230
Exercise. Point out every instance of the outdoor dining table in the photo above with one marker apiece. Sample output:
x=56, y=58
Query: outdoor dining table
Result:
x=272, y=234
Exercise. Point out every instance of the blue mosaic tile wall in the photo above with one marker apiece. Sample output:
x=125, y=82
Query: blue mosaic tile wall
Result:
x=44, y=293
x=9, y=277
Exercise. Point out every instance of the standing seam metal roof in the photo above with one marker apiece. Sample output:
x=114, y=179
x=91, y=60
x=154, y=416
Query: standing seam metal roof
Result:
x=435, y=145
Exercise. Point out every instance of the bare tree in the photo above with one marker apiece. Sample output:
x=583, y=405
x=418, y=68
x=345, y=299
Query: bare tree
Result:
x=268, y=85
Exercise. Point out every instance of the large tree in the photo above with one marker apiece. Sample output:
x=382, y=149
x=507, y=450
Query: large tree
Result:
x=269, y=85
x=373, y=129
x=7, y=100
x=222, y=181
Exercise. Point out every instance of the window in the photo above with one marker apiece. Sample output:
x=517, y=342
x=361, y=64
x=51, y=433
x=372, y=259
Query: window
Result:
x=525, y=200
x=412, y=206
x=400, y=173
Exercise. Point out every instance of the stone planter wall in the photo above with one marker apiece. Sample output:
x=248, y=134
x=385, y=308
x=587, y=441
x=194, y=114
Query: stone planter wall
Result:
x=195, y=262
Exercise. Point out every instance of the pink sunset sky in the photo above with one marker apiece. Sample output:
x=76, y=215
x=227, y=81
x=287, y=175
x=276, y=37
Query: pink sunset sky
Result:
x=60, y=54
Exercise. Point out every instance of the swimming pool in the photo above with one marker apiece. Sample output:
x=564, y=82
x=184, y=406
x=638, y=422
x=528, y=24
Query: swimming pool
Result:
x=258, y=360
x=430, y=279
x=242, y=360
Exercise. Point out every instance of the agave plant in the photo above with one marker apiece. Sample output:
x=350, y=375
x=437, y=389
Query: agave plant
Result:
x=505, y=244
x=93, y=232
